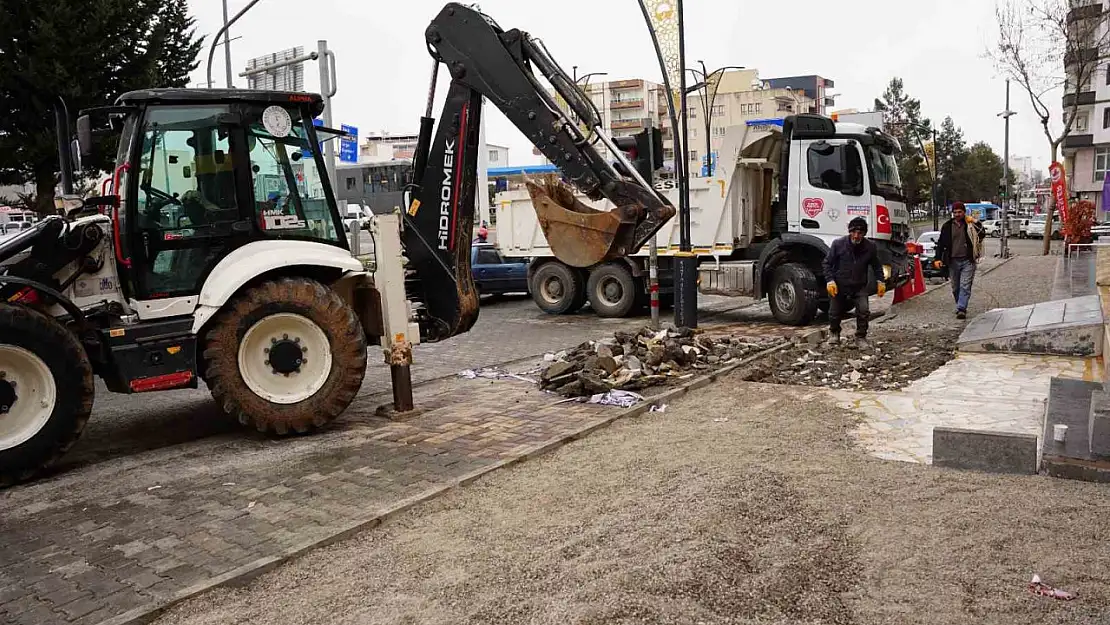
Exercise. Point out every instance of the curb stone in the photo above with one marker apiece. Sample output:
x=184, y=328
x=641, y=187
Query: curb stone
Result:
x=247, y=573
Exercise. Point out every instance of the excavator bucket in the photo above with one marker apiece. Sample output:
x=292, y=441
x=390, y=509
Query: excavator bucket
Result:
x=579, y=235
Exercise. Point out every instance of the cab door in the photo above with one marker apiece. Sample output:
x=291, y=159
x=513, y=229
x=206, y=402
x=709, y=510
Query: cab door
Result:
x=186, y=203
x=832, y=187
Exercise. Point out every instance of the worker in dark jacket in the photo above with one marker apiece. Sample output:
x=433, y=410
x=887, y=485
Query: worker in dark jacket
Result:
x=960, y=247
x=846, y=272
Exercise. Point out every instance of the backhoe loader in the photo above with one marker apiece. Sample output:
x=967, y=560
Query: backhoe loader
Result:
x=216, y=251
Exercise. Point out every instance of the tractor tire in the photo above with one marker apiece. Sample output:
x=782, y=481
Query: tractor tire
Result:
x=46, y=392
x=287, y=356
x=611, y=290
x=793, y=294
x=558, y=289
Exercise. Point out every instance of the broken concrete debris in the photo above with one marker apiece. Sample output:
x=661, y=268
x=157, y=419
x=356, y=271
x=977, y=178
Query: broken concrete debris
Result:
x=638, y=360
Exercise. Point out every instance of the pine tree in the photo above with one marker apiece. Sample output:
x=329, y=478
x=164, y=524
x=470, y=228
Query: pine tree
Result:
x=951, y=157
x=902, y=115
x=87, y=52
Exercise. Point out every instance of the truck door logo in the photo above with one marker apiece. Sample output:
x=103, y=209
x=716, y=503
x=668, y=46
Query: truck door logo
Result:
x=813, y=206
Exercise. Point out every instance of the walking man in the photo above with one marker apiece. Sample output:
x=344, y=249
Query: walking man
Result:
x=960, y=248
x=846, y=272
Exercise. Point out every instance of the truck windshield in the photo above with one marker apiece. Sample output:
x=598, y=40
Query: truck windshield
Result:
x=883, y=168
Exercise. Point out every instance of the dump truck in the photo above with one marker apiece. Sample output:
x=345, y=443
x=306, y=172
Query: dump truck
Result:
x=760, y=227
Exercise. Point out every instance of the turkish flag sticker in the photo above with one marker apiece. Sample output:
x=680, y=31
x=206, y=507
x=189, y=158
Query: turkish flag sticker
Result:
x=813, y=206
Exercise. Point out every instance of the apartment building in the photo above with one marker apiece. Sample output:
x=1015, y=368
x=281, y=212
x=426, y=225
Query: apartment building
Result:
x=626, y=106
x=1086, y=150
x=742, y=97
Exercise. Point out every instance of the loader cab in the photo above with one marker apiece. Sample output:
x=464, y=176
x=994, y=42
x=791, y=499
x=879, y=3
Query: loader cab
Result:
x=200, y=173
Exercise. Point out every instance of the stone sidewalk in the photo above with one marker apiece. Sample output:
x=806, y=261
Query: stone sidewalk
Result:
x=226, y=507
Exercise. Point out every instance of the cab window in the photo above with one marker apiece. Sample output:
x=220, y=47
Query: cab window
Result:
x=288, y=182
x=835, y=167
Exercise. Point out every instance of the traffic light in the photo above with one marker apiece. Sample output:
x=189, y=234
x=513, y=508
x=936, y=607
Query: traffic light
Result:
x=639, y=147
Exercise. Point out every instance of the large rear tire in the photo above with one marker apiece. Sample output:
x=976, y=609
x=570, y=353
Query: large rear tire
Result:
x=611, y=290
x=46, y=392
x=558, y=289
x=793, y=294
x=286, y=356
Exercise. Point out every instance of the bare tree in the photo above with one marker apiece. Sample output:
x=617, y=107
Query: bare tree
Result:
x=1044, y=45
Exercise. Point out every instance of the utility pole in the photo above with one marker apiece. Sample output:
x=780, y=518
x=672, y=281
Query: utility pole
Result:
x=936, y=176
x=1004, y=239
x=653, y=253
x=227, y=48
x=327, y=89
x=686, y=264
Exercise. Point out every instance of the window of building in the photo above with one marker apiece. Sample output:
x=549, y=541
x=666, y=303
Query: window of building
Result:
x=493, y=156
x=351, y=183
x=1106, y=117
x=719, y=131
x=693, y=155
x=1081, y=122
x=668, y=153
x=718, y=110
x=755, y=107
x=1102, y=163
x=693, y=132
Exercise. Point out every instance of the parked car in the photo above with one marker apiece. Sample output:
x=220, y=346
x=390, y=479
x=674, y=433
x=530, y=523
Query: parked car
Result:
x=992, y=227
x=928, y=243
x=1036, y=227
x=1100, y=230
x=359, y=213
x=495, y=275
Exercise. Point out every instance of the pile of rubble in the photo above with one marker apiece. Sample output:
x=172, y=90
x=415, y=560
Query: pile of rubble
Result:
x=637, y=360
x=892, y=361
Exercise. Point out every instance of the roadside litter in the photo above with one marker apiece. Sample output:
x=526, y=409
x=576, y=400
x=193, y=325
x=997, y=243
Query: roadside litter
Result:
x=636, y=360
x=1037, y=587
x=623, y=399
x=494, y=373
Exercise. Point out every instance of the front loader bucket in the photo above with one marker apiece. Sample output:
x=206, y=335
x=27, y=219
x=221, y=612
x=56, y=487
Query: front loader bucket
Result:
x=579, y=235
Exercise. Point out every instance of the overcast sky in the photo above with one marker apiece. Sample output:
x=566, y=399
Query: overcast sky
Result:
x=937, y=47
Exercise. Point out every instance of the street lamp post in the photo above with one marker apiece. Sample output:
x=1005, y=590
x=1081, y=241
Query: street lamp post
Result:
x=216, y=39
x=1004, y=233
x=707, y=84
x=665, y=24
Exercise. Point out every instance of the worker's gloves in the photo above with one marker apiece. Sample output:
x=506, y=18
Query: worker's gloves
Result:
x=937, y=264
x=831, y=288
x=882, y=289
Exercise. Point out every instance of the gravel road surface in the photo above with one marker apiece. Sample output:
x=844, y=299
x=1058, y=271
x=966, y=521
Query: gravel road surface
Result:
x=742, y=503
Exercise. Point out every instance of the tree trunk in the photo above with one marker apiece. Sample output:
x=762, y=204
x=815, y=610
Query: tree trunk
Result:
x=1046, y=246
x=44, y=191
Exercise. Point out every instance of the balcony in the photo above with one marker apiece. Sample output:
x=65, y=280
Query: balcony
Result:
x=1084, y=97
x=1089, y=11
x=1078, y=141
x=627, y=123
x=1086, y=55
x=626, y=104
x=625, y=84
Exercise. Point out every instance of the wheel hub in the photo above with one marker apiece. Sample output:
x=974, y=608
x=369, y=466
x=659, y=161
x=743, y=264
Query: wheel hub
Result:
x=286, y=355
x=8, y=396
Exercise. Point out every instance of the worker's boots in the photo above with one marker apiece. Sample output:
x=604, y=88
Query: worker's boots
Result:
x=861, y=343
x=833, y=340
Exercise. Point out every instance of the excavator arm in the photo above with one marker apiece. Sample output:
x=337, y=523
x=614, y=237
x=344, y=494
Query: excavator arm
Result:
x=484, y=60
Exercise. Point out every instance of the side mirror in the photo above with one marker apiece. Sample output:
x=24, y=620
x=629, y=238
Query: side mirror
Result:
x=84, y=135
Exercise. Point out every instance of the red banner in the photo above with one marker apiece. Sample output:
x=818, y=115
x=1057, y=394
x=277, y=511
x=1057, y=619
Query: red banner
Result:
x=1059, y=191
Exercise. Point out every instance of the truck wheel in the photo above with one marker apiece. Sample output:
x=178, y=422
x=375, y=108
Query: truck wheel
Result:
x=611, y=290
x=46, y=392
x=558, y=289
x=286, y=356
x=793, y=294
